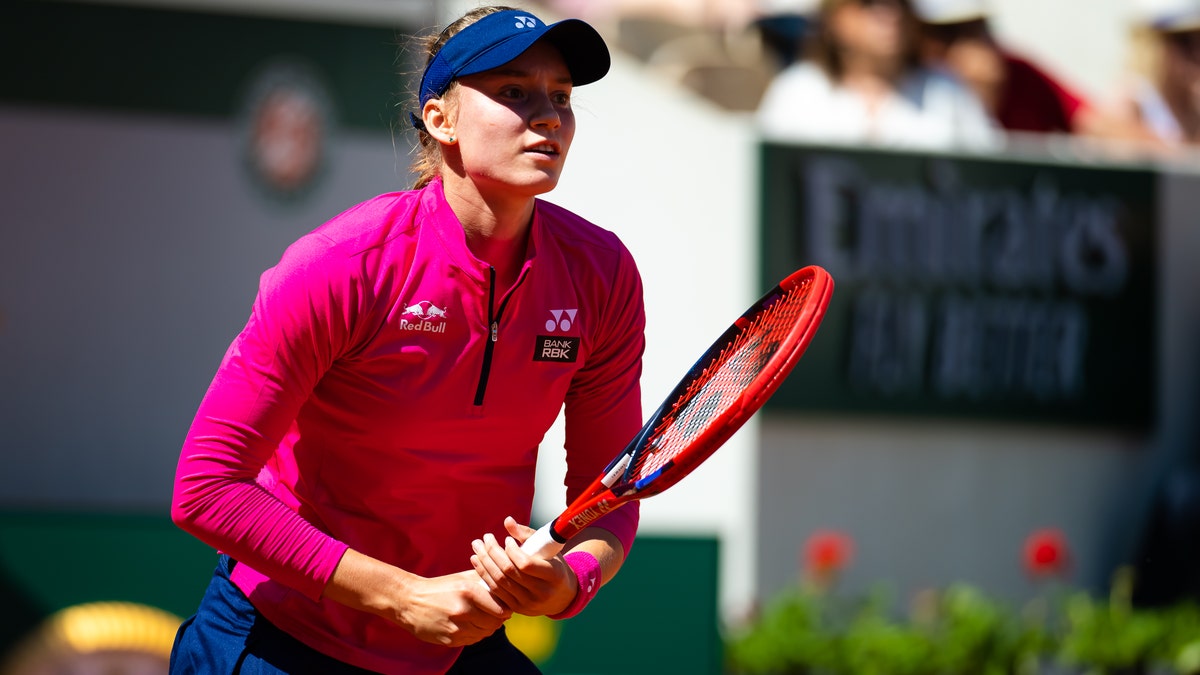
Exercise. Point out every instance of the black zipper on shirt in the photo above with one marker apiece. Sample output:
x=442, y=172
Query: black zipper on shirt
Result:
x=488, y=344
x=493, y=334
x=493, y=328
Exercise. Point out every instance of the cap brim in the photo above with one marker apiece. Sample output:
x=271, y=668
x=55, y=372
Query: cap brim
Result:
x=582, y=48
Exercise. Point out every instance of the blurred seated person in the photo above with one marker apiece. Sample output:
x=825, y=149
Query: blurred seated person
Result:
x=1161, y=97
x=1017, y=93
x=861, y=82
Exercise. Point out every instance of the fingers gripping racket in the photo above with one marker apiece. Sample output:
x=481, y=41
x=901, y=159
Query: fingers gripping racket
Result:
x=727, y=385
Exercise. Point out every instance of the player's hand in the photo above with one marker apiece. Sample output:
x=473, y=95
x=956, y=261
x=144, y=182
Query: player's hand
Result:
x=452, y=610
x=526, y=584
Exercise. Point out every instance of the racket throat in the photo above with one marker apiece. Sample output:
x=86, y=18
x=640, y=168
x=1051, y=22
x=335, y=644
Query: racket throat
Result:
x=616, y=470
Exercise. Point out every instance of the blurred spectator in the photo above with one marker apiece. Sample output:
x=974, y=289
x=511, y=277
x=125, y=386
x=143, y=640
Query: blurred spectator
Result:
x=1161, y=99
x=862, y=82
x=709, y=13
x=1018, y=94
x=784, y=35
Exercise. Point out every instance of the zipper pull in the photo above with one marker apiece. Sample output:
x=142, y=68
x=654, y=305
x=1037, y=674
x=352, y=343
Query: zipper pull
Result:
x=495, y=330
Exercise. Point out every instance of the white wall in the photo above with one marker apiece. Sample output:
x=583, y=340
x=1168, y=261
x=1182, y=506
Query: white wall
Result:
x=930, y=502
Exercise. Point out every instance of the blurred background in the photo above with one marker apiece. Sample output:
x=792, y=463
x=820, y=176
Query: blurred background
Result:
x=1005, y=192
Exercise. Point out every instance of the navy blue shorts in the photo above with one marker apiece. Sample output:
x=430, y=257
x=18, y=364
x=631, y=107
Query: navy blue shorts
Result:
x=228, y=635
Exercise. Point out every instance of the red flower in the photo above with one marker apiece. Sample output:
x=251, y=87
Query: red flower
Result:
x=826, y=552
x=1046, y=553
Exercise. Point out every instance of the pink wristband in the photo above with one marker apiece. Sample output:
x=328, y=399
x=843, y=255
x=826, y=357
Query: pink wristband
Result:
x=587, y=571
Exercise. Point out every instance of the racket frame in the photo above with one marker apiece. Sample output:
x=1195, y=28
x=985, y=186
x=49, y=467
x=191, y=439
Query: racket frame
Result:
x=616, y=485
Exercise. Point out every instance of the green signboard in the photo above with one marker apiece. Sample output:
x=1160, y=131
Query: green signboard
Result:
x=968, y=286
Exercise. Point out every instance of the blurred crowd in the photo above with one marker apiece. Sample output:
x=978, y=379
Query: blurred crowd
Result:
x=928, y=74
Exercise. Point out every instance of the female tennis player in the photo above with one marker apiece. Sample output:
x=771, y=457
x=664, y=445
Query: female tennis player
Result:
x=364, y=457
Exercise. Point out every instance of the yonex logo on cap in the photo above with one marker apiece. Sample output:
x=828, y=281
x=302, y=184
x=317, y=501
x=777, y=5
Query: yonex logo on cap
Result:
x=526, y=22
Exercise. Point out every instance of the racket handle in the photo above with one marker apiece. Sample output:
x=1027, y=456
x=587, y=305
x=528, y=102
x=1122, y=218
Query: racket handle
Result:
x=542, y=543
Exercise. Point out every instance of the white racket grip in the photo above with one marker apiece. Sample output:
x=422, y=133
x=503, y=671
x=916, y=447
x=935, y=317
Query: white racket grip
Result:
x=542, y=544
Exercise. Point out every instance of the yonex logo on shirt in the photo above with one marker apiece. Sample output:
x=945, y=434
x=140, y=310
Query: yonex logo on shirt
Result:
x=562, y=321
x=558, y=348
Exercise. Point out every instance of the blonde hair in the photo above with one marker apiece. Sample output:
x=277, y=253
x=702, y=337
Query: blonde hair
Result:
x=428, y=161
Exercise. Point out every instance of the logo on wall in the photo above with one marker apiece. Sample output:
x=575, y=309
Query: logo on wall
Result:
x=285, y=128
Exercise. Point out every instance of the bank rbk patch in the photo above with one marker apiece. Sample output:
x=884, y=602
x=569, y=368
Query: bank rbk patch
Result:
x=556, y=348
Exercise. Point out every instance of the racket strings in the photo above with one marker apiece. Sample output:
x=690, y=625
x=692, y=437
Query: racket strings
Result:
x=721, y=382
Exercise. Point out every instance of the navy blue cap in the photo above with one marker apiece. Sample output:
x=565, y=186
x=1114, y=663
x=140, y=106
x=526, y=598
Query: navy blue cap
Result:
x=498, y=38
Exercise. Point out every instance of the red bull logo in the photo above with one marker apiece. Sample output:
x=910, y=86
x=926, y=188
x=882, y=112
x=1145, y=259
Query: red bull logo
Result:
x=424, y=316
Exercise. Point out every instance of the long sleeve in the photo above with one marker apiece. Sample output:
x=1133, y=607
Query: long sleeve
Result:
x=603, y=406
x=222, y=486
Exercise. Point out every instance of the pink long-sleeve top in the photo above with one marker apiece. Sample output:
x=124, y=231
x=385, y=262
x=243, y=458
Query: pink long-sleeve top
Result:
x=384, y=397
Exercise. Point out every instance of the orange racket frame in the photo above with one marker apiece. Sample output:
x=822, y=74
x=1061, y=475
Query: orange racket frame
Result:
x=696, y=419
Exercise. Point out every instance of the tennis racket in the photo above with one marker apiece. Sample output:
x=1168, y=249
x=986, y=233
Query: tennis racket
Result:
x=725, y=387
